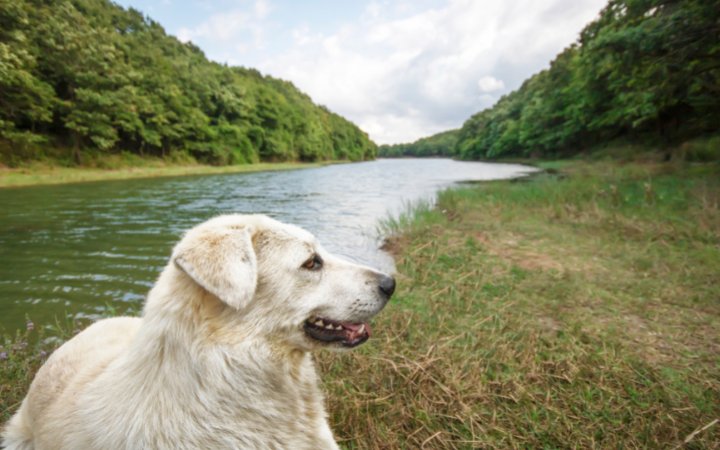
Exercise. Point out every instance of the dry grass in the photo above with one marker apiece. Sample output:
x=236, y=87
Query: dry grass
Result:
x=42, y=174
x=556, y=313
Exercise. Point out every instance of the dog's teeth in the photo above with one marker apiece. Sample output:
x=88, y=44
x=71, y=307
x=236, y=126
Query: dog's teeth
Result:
x=361, y=329
x=338, y=327
x=320, y=323
x=329, y=326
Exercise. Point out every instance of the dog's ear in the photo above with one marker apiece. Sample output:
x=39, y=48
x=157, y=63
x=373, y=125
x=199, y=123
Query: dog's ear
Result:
x=222, y=261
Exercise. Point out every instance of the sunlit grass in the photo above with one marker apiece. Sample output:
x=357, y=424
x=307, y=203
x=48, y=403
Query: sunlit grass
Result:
x=41, y=174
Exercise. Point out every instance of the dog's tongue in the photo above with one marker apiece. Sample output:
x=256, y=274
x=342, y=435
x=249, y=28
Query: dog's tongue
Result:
x=356, y=330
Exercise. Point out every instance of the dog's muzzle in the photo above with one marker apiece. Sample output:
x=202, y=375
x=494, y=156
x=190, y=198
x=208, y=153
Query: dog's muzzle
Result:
x=348, y=334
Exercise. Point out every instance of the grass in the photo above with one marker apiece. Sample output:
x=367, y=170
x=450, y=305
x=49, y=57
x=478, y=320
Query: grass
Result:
x=39, y=173
x=22, y=355
x=577, y=309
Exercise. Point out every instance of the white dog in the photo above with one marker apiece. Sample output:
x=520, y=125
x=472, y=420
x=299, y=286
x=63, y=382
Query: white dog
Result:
x=220, y=358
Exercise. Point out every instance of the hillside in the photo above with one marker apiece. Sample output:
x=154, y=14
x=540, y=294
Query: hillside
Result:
x=646, y=71
x=83, y=78
x=441, y=144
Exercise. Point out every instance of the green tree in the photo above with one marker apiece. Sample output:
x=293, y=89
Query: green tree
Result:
x=645, y=69
x=91, y=76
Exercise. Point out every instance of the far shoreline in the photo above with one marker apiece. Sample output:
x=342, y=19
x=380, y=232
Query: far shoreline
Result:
x=50, y=175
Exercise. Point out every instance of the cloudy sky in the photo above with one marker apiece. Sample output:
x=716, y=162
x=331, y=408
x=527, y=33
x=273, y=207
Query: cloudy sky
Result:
x=399, y=69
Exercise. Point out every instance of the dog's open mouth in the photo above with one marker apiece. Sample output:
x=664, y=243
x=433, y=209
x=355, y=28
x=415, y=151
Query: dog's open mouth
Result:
x=349, y=334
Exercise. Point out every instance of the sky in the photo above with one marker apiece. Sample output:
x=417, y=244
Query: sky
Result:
x=399, y=69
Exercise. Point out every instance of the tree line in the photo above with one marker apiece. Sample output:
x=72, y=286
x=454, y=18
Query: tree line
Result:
x=87, y=77
x=644, y=70
x=441, y=144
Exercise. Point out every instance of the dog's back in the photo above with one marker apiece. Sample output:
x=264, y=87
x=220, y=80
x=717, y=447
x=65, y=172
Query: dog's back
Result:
x=82, y=357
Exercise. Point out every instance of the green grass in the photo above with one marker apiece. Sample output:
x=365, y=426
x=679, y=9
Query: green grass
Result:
x=22, y=355
x=573, y=310
x=577, y=309
x=35, y=174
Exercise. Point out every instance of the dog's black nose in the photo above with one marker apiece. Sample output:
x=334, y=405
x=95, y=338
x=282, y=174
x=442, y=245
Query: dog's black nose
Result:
x=387, y=285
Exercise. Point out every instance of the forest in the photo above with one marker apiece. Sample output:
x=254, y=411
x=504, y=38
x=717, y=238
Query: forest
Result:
x=83, y=78
x=645, y=71
x=440, y=144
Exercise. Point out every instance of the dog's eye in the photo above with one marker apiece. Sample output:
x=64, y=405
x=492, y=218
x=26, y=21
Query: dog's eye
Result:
x=314, y=263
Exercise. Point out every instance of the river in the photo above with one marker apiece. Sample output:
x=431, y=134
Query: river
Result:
x=80, y=249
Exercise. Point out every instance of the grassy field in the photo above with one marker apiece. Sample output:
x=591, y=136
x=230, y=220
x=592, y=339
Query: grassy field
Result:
x=42, y=174
x=573, y=310
x=577, y=309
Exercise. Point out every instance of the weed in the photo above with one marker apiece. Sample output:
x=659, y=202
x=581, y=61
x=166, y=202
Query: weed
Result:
x=22, y=355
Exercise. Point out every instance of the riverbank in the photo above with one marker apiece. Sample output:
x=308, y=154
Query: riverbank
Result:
x=577, y=309
x=572, y=309
x=40, y=174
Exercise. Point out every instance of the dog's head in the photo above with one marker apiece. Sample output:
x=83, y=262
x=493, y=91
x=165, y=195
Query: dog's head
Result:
x=277, y=281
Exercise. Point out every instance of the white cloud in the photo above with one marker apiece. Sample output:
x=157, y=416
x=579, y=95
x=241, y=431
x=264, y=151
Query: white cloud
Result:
x=303, y=35
x=220, y=27
x=401, y=76
x=490, y=84
x=262, y=8
x=402, y=69
x=235, y=28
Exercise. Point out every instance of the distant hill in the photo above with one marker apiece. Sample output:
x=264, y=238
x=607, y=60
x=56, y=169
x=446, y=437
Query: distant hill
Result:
x=441, y=144
x=87, y=77
x=645, y=71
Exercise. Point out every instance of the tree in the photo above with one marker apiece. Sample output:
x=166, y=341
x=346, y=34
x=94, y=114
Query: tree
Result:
x=93, y=77
x=645, y=69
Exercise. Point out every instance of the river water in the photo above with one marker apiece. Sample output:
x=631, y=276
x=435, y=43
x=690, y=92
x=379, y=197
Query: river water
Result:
x=79, y=249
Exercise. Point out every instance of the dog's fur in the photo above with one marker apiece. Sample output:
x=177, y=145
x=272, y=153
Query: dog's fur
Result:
x=219, y=359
